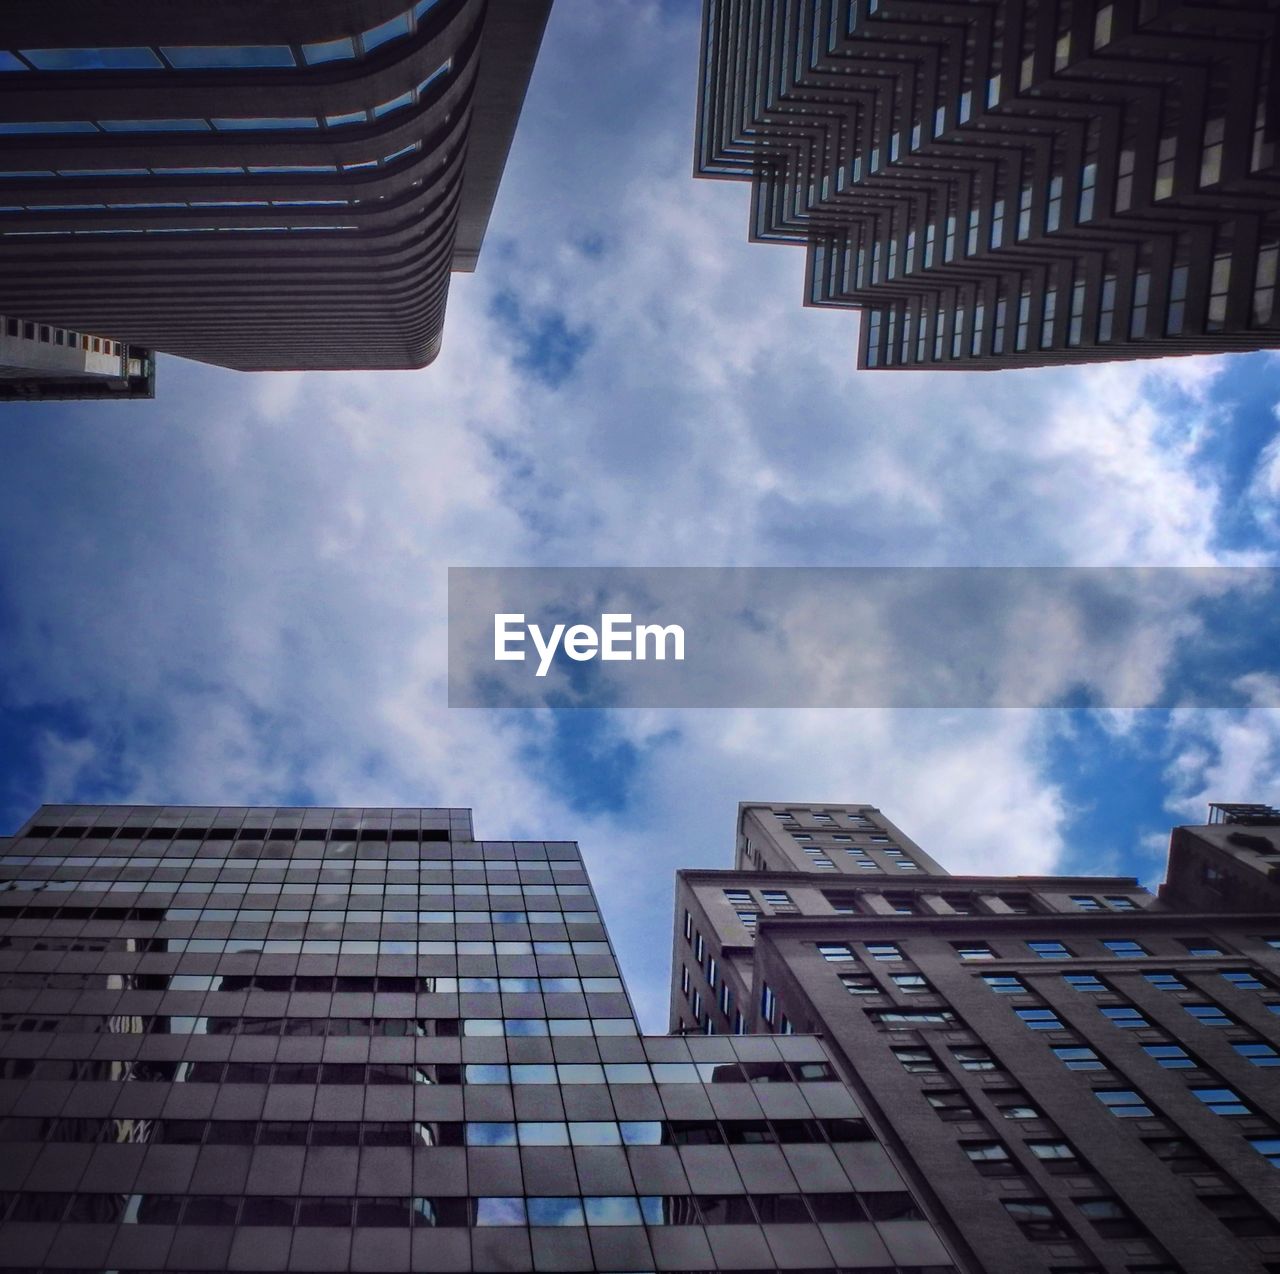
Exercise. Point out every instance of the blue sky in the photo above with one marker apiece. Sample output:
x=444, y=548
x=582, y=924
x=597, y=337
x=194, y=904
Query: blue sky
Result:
x=236, y=593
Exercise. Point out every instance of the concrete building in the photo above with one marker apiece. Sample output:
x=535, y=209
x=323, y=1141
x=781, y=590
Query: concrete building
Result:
x=1010, y=183
x=266, y=1039
x=1076, y=1075
x=260, y=186
x=38, y=361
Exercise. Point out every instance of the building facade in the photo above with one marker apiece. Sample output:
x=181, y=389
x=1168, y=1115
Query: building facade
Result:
x=362, y=1040
x=1010, y=183
x=38, y=361
x=283, y=186
x=1079, y=1075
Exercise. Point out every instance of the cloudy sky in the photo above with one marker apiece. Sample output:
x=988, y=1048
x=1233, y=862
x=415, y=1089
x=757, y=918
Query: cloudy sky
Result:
x=237, y=593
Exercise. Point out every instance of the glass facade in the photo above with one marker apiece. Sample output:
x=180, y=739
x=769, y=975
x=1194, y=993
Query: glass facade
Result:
x=263, y=1039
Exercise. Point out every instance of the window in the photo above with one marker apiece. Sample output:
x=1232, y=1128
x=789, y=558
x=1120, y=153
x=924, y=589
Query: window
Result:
x=860, y=984
x=1121, y=902
x=974, y=1059
x=1125, y=1016
x=911, y=983
x=1050, y=950
x=918, y=1061
x=1173, y=1057
x=1043, y=1019
x=1208, y=1014
x=991, y=1158
x=1181, y=1155
x=951, y=1105
x=902, y=904
x=778, y=899
x=1084, y=902
x=974, y=951
x=1165, y=981
x=1084, y=982
x=1124, y=1103
x=749, y=919
x=962, y=905
x=1079, y=1058
x=896, y=1019
x=1166, y=157
x=1201, y=947
x=1211, y=152
x=1004, y=983
x=1125, y=948
x=1257, y=1052
x=1240, y=1214
x=1244, y=979
x=1036, y=1219
x=1110, y=1218
x=1269, y=1148
x=688, y=922
x=837, y=952
x=1054, y=1152
x=1222, y=1101
x=768, y=1003
x=883, y=950
x=1013, y=1103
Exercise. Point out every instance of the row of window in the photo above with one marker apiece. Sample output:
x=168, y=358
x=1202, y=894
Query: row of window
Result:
x=340, y=859
x=333, y=946
x=126, y=1023
x=573, y=1210
x=302, y=983
x=214, y=1072
x=250, y=832
x=1011, y=984
x=217, y=57
x=284, y=1132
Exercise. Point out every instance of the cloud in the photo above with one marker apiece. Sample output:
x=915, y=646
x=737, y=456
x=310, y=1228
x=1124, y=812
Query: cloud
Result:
x=237, y=593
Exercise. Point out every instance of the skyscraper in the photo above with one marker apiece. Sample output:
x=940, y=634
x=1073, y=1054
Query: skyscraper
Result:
x=1078, y=1076
x=257, y=186
x=1010, y=183
x=360, y=1039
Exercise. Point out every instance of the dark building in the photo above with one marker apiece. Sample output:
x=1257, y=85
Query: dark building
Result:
x=38, y=361
x=1077, y=1076
x=359, y=1039
x=1010, y=183
x=260, y=186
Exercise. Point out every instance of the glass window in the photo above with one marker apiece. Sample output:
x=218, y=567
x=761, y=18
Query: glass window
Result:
x=1171, y=1056
x=974, y=1059
x=1269, y=1148
x=1245, y=979
x=836, y=952
x=117, y=59
x=1125, y=1016
x=200, y=57
x=919, y=1061
x=1035, y=1218
x=883, y=951
x=155, y=126
x=1004, y=983
x=1208, y=1014
x=974, y=951
x=1257, y=1052
x=1123, y=1102
x=1222, y=1101
x=329, y=51
x=1125, y=948
x=500, y=1211
x=1079, y=1058
x=612, y=1210
x=1084, y=982
x=1050, y=950
x=1040, y=1019
x=553, y=1211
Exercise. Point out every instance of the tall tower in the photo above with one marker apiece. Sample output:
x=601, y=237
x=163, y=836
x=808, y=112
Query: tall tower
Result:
x=258, y=186
x=359, y=1039
x=1080, y=1076
x=1010, y=183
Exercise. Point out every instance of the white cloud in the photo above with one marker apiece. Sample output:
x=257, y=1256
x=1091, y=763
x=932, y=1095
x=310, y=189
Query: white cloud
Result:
x=241, y=588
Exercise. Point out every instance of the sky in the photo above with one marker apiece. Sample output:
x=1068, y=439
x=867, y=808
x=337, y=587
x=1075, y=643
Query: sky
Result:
x=236, y=593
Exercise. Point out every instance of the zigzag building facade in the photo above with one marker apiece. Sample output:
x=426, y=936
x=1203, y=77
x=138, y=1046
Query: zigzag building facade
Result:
x=1010, y=183
x=281, y=186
